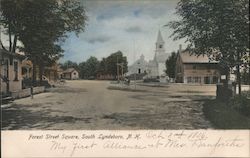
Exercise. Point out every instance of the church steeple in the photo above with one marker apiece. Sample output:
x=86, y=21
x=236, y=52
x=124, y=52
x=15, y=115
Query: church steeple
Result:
x=159, y=43
x=159, y=38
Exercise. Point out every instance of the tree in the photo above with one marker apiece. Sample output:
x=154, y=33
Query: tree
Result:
x=217, y=28
x=102, y=69
x=108, y=66
x=91, y=66
x=41, y=25
x=82, y=70
x=69, y=64
x=171, y=64
x=112, y=61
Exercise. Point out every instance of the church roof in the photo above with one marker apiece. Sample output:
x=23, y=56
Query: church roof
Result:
x=159, y=38
x=187, y=58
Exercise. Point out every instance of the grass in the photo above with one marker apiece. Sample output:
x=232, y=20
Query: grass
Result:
x=223, y=117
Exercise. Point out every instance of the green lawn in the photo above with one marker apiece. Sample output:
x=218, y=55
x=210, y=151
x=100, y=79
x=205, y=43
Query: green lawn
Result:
x=224, y=117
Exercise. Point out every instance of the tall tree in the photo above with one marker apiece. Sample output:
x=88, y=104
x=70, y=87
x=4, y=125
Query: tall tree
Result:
x=114, y=59
x=69, y=64
x=171, y=64
x=41, y=25
x=91, y=66
x=102, y=69
x=82, y=70
x=218, y=28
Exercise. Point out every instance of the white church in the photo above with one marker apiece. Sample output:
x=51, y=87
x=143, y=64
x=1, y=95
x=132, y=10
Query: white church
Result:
x=153, y=68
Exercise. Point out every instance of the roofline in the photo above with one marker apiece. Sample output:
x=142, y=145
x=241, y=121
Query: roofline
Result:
x=12, y=54
x=65, y=71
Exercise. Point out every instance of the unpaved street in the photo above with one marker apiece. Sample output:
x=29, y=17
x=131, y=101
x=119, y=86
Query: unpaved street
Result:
x=91, y=105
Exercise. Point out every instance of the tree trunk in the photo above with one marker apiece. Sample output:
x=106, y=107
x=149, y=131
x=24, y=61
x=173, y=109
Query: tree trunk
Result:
x=239, y=79
x=227, y=77
x=249, y=70
x=2, y=45
x=14, y=44
x=238, y=73
x=10, y=40
x=41, y=73
x=34, y=74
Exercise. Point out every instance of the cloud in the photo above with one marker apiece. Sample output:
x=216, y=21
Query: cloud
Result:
x=129, y=26
x=105, y=16
x=98, y=39
x=137, y=12
x=133, y=29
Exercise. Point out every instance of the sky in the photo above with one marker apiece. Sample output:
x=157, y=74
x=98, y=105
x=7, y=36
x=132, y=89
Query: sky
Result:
x=125, y=25
x=130, y=26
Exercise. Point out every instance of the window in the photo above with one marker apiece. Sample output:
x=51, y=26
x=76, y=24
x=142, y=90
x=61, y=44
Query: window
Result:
x=160, y=46
x=74, y=73
x=139, y=71
x=215, y=79
x=189, y=79
x=194, y=67
x=15, y=70
x=197, y=79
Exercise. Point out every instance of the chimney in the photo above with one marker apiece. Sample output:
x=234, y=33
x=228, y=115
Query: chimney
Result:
x=180, y=48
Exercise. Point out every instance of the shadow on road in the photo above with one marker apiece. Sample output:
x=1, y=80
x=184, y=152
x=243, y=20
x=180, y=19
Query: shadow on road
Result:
x=65, y=89
x=33, y=117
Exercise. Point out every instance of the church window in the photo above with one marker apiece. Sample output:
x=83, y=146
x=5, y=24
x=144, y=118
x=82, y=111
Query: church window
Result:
x=139, y=71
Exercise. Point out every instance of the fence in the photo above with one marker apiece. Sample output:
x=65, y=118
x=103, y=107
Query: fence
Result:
x=27, y=92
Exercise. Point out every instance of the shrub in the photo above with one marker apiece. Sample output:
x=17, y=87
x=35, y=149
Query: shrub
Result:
x=241, y=104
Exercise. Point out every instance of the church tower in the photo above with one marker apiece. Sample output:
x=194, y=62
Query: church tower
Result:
x=160, y=48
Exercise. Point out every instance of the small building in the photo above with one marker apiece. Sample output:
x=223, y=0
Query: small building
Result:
x=138, y=67
x=10, y=71
x=196, y=69
x=70, y=74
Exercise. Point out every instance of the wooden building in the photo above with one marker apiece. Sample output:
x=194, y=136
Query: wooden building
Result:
x=193, y=69
x=70, y=74
x=10, y=71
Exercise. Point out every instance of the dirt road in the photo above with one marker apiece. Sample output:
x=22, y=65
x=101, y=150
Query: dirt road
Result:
x=91, y=105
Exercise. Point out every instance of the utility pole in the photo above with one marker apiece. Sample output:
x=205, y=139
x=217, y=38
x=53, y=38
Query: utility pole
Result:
x=121, y=65
x=134, y=61
x=117, y=69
